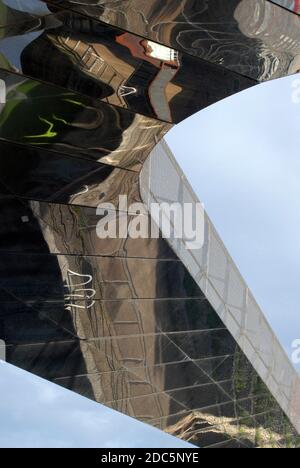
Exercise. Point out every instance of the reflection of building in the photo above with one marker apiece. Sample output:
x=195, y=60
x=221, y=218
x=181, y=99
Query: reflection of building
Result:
x=174, y=340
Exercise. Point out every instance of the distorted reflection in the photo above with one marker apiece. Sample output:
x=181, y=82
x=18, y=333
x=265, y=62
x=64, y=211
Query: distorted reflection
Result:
x=91, y=87
x=255, y=38
x=117, y=67
x=292, y=5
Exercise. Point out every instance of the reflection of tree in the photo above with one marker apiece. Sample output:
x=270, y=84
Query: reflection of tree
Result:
x=225, y=429
x=61, y=118
x=16, y=22
x=4, y=63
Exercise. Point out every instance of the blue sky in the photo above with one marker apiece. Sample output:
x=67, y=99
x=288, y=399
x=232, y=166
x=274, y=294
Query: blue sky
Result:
x=36, y=413
x=242, y=158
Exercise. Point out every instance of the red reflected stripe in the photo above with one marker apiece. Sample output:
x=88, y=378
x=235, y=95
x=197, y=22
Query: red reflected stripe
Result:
x=297, y=6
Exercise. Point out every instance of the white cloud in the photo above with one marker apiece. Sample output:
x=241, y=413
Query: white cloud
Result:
x=37, y=413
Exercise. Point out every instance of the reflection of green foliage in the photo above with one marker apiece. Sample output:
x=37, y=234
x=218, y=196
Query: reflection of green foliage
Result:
x=3, y=18
x=264, y=403
x=259, y=387
x=247, y=420
x=243, y=432
x=243, y=414
x=273, y=428
x=40, y=113
x=272, y=440
x=291, y=440
x=258, y=437
x=297, y=442
x=4, y=63
x=241, y=378
x=48, y=133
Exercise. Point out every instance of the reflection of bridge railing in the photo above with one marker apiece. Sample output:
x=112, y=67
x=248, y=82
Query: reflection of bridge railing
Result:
x=218, y=277
x=78, y=291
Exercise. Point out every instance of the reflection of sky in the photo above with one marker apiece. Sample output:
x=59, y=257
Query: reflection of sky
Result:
x=242, y=158
x=13, y=45
x=30, y=6
x=36, y=413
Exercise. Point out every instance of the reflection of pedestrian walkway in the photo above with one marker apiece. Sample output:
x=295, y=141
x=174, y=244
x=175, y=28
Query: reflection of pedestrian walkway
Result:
x=96, y=61
x=90, y=62
x=246, y=433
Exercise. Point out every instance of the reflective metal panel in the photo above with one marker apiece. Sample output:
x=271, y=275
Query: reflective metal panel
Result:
x=122, y=321
x=36, y=173
x=28, y=277
x=292, y=5
x=117, y=67
x=31, y=226
x=74, y=124
x=255, y=38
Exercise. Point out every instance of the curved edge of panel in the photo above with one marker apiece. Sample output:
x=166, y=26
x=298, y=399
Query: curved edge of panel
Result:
x=218, y=277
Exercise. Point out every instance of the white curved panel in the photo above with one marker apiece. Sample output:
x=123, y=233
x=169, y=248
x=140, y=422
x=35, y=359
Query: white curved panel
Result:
x=216, y=274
